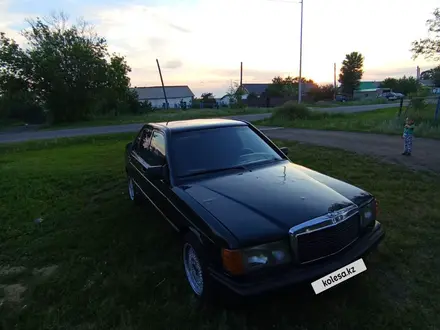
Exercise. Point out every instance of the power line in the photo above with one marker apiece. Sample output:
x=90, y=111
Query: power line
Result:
x=285, y=1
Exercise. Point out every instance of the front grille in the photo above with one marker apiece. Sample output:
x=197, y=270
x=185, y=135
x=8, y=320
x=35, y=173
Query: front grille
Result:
x=327, y=241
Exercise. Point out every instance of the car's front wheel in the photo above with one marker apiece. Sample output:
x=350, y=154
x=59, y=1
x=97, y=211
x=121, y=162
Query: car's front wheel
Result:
x=196, y=271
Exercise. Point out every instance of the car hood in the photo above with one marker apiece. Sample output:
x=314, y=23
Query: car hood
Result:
x=264, y=204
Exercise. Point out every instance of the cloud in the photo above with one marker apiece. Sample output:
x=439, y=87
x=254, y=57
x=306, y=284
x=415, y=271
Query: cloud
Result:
x=10, y=21
x=156, y=43
x=174, y=64
x=249, y=75
x=179, y=28
x=212, y=37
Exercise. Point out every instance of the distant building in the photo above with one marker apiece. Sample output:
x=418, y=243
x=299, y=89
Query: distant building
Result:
x=427, y=81
x=224, y=100
x=256, y=89
x=175, y=95
x=367, y=90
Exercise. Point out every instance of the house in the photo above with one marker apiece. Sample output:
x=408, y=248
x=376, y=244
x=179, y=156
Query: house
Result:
x=430, y=83
x=225, y=100
x=256, y=89
x=427, y=82
x=306, y=87
x=367, y=90
x=175, y=95
x=369, y=85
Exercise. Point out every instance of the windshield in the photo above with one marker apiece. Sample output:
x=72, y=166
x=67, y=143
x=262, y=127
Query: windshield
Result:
x=218, y=148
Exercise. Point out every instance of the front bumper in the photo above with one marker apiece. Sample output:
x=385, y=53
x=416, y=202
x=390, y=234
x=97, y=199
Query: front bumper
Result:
x=305, y=273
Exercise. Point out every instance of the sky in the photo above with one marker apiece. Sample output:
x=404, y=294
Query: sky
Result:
x=200, y=43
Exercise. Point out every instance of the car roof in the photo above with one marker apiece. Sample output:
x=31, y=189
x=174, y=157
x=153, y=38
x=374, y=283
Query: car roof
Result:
x=197, y=124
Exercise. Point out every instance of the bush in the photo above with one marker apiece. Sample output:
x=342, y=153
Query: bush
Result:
x=238, y=105
x=291, y=110
x=145, y=107
x=20, y=109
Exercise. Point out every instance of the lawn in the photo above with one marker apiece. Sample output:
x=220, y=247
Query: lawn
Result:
x=161, y=115
x=331, y=104
x=383, y=121
x=95, y=261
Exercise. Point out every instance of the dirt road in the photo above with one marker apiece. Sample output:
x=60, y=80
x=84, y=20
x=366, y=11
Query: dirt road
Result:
x=426, y=152
x=32, y=133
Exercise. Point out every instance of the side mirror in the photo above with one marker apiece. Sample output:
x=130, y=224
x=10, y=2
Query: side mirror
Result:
x=285, y=150
x=156, y=172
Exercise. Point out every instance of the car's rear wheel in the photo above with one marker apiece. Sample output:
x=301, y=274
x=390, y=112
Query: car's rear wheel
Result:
x=133, y=191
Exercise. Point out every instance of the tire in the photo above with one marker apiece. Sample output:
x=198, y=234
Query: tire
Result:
x=196, y=272
x=133, y=191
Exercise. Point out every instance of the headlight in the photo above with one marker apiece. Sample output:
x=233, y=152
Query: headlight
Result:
x=368, y=213
x=257, y=257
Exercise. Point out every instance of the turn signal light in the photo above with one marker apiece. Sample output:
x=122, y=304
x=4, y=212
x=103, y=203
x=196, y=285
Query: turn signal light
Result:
x=233, y=261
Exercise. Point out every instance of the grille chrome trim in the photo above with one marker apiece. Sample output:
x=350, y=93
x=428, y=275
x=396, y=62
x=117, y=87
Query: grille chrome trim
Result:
x=331, y=219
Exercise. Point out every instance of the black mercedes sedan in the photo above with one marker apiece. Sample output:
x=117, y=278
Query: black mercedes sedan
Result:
x=251, y=220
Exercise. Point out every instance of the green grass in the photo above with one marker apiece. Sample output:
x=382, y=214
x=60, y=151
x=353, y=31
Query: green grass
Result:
x=383, y=121
x=119, y=265
x=332, y=104
x=160, y=115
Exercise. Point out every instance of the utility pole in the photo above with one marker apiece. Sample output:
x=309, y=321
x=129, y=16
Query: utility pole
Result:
x=163, y=86
x=241, y=75
x=334, y=81
x=300, y=55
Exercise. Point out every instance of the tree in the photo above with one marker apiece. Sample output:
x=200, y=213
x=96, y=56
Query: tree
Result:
x=404, y=85
x=17, y=99
x=322, y=92
x=282, y=87
x=436, y=76
x=429, y=47
x=117, y=93
x=391, y=83
x=277, y=88
x=432, y=74
x=252, y=96
x=303, y=80
x=351, y=72
x=67, y=68
x=206, y=96
x=235, y=93
x=208, y=100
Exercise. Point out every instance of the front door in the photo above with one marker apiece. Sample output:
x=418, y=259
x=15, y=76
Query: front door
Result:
x=138, y=155
x=160, y=189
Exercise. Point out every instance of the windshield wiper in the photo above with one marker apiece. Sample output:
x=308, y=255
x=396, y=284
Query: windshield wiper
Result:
x=267, y=161
x=238, y=167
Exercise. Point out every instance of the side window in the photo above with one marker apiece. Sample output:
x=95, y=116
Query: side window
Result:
x=143, y=142
x=156, y=154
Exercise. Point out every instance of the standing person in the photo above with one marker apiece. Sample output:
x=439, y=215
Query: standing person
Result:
x=407, y=136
